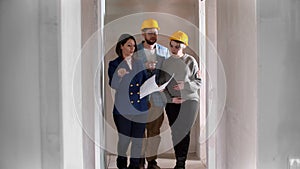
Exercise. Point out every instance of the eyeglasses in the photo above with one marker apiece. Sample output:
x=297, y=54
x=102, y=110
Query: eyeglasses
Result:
x=177, y=46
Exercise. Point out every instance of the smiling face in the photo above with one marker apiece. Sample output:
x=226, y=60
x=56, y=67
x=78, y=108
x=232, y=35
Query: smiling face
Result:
x=128, y=48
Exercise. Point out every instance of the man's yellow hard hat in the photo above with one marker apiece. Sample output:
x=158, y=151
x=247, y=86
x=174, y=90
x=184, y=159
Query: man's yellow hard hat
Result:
x=180, y=36
x=149, y=23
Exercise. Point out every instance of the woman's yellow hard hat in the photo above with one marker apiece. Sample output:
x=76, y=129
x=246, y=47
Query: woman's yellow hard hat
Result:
x=180, y=36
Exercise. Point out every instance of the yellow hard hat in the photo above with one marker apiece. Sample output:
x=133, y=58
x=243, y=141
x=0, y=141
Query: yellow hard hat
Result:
x=149, y=23
x=180, y=36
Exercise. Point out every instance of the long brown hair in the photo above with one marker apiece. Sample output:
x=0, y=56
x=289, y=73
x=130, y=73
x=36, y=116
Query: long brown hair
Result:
x=122, y=40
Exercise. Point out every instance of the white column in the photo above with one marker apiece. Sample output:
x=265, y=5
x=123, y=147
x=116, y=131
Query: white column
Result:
x=71, y=84
x=49, y=75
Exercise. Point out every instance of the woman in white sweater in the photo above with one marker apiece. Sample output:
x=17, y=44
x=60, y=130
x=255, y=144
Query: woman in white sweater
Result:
x=182, y=94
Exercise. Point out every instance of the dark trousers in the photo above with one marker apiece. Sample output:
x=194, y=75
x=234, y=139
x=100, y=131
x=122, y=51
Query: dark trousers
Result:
x=152, y=135
x=129, y=130
x=181, y=119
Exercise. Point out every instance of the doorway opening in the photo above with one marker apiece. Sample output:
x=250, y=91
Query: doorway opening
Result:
x=126, y=17
x=190, y=18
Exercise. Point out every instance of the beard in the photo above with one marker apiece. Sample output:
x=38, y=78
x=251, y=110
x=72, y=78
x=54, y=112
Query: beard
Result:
x=151, y=42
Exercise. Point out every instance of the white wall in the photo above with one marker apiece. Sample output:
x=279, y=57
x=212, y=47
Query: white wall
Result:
x=278, y=82
x=211, y=68
x=71, y=84
x=265, y=83
x=30, y=113
x=49, y=45
x=20, y=132
x=237, y=48
x=89, y=64
x=40, y=126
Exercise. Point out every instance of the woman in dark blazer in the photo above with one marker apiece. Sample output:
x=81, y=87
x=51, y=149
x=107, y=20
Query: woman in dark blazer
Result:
x=126, y=75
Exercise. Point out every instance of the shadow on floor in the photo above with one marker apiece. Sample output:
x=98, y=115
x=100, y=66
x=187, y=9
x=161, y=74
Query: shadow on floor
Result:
x=165, y=161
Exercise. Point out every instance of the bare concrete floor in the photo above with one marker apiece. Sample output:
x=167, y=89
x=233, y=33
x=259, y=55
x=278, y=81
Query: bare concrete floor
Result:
x=165, y=161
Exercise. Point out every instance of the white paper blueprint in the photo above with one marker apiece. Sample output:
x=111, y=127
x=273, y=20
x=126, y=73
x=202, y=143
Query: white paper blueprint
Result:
x=150, y=86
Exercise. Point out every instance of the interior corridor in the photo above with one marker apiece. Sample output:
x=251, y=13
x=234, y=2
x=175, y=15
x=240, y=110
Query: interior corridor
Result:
x=49, y=101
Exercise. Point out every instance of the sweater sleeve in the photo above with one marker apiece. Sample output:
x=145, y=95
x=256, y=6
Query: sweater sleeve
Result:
x=194, y=82
x=166, y=96
x=163, y=77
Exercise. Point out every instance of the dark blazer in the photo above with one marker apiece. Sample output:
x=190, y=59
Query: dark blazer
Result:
x=127, y=97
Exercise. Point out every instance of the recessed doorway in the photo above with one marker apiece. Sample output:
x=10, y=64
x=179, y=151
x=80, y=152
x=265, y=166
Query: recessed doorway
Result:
x=126, y=17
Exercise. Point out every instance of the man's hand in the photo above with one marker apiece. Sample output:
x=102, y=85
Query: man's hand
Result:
x=151, y=65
